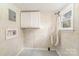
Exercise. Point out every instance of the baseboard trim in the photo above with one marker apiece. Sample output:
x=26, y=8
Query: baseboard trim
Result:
x=39, y=48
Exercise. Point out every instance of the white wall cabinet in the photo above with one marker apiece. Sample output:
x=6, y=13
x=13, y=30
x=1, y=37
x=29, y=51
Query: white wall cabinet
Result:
x=30, y=19
x=66, y=18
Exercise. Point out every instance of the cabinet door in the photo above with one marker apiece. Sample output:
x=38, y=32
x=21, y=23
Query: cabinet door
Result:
x=30, y=19
x=35, y=16
x=25, y=19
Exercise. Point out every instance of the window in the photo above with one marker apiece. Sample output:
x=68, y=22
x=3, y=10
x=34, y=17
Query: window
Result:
x=67, y=18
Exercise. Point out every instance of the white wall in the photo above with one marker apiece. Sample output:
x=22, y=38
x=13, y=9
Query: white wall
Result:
x=70, y=39
x=29, y=38
x=39, y=38
x=12, y=46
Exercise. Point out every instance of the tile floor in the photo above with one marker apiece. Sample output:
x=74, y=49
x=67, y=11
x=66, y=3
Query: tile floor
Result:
x=32, y=52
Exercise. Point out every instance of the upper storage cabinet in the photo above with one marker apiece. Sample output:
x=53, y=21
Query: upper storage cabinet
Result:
x=66, y=18
x=30, y=19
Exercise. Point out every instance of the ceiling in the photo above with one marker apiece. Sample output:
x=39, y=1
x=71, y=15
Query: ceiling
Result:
x=41, y=6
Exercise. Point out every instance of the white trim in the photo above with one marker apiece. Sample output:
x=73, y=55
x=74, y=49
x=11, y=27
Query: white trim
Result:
x=19, y=52
x=39, y=48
